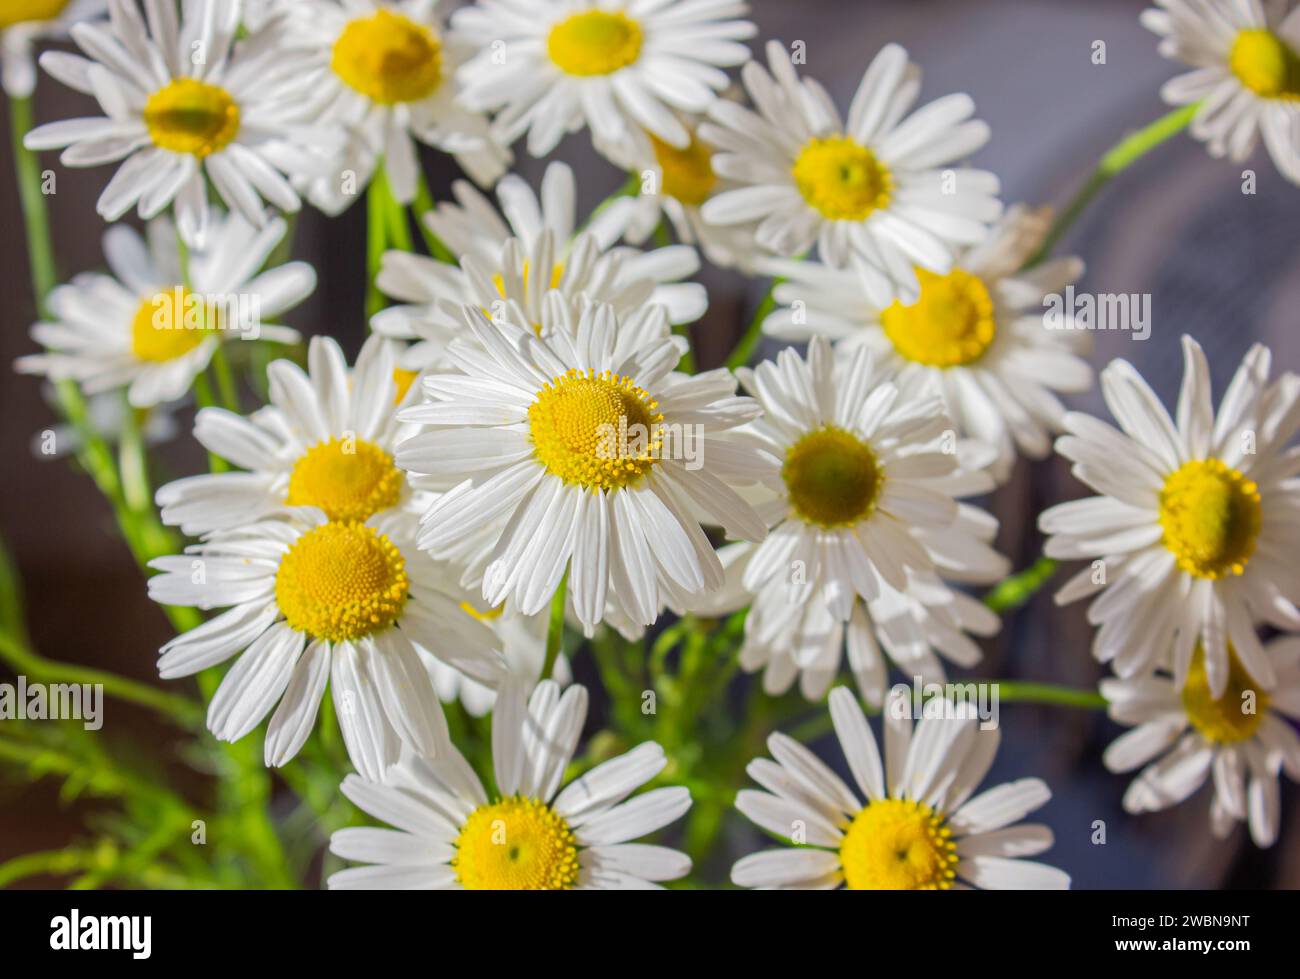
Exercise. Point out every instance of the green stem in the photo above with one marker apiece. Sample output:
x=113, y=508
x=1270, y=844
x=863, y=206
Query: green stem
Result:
x=1016, y=590
x=24, y=660
x=376, y=239
x=226, y=387
x=555, y=628
x=754, y=332
x=1121, y=156
x=1024, y=692
x=39, y=251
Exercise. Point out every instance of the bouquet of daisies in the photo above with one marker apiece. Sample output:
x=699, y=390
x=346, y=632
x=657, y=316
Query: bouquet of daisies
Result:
x=405, y=576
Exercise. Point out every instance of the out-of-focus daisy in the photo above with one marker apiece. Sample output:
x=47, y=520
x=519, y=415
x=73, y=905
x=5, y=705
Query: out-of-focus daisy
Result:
x=591, y=455
x=674, y=184
x=108, y=415
x=1196, y=534
x=523, y=644
x=144, y=329
x=866, y=525
x=885, y=188
x=549, y=67
x=384, y=70
x=25, y=22
x=326, y=440
x=311, y=601
x=1241, y=739
x=536, y=834
x=258, y=14
x=183, y=104
x=1246, y=77
x=919, y=828
x=977, y=336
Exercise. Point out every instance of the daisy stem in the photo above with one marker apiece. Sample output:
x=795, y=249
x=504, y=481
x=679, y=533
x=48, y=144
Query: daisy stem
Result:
x=555, y=628
x=376, y=239
x=754, y=332
x=226, y=387
x=1025, y=692
x=1123, y=154
x=1014, y=591
x=420, y=207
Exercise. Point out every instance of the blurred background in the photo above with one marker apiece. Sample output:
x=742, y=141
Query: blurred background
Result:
x=1220, y=265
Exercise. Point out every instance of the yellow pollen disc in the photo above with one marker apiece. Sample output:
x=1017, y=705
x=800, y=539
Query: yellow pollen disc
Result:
x=599, y=431
x=1211, y=516
x=350, y=479
x=167, y=326
x=833, y=478
x=898, y=845
x=342, y=581
x=688, y=174
x=1266, y=64
x=190, y=116
x=594, y=43
x=842, y=179
x=516, y=844
x=1231, y=718
x=22, y=11
x=388, y=58
x=491, y=615
x=403, y=379
x=950, y=325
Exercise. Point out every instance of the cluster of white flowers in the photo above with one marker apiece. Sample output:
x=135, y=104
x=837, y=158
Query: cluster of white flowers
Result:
x=521, y=433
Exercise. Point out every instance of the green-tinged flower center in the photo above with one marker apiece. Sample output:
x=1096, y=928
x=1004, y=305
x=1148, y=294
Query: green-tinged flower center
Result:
x=516, y=844
x=833, y=478
x=1232, y=717
x=388, y=58
x=190, y=116
x=594, y=43
x=897, y=844
x=1211, y=516
x=842, y=179
x=1266, y=64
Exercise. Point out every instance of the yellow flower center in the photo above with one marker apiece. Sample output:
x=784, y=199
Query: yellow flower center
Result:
x=1266, y=64
x=190, y=116
x=594, y=43
x=516, y=844
x=342, y=581
x=898, y=845
x=22, y=11
x=350, y=479
x=841, y=179
x=388, y=58
x=833, y=478
x=688, y=174
x=599, y=431
x=1211, y=517
x=1233, y=717
x=950, y=325
x=403, y=379
x=169, y=325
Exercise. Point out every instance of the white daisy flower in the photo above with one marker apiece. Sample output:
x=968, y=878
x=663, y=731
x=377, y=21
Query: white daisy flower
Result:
x=142, y=328
x=537, y=834
x=183, y=103
x=311, y=601
x=675, y=184
x=882, y=187
x=591, y=455
x=919, y=828
x=522, y=641
x=549, y=67
x=25, y=22
x=259, y=14
x=384, y=70
x=977, y=336
x=1246, y=77
x=1196, y=534
x=326, y=440
x=865, y=526
x=1241, y=740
